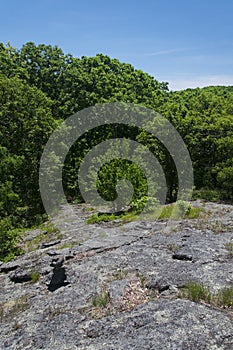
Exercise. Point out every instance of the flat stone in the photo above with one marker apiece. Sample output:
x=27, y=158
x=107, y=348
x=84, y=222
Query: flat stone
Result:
x=7, y=267
x=49, y=244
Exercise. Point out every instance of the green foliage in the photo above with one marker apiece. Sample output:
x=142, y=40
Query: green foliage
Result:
x=125, y=216
x=40, y=86
x=25, y=125
x=111, y=187
x=9, y=63
x=225, y=179
x=9, y=166
x=207, y=194
x=204, y=118
x=164, y=158
x=166, y=212
x=139, y=204
x=9, y=239
x=48, y=228
x=184, y=207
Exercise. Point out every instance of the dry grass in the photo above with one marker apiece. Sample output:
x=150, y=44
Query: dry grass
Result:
x=11, y=308
x=135, y=294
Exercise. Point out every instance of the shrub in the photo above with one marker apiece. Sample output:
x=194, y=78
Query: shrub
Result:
x=207, y=194
x=9, y=239
x=139, y=204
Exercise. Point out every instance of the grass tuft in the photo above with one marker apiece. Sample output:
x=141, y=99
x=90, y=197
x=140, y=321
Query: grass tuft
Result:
x=196, y=292
x=180, y=209
x=101, y=300
x=34, y=276
x=199, y=293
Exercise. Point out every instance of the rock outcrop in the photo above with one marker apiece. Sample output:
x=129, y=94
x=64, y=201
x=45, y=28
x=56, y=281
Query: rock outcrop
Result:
x=113, y=286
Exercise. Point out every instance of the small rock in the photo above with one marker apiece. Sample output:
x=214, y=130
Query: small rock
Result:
x=52, y=253
x=171, y=290
x=20, y=276
x=11, y=266
x=58, y=261
x=160, y=285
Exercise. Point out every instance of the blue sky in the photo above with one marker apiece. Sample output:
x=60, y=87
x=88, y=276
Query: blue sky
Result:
x=188, y=43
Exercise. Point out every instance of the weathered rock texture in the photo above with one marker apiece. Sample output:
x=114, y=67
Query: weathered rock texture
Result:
x=112, y=286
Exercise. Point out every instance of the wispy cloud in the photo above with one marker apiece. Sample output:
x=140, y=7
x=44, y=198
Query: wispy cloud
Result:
x=169, y=51
x=159, y=52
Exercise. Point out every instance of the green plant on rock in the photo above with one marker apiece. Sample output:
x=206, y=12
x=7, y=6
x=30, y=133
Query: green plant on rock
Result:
x=35, y=275
x=196, y=292
x=101, y=300
x=100, y=217
x=194, y=213
x=225, y=297
x=155, y=211
x=49, y=228
x=139, y=204
x=181, y=209
x=229, y=248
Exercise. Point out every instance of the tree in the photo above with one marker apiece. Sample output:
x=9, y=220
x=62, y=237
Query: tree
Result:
x=25, y=125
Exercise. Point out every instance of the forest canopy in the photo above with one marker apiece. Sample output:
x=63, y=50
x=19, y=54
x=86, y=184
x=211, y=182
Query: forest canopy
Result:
x=40, y=86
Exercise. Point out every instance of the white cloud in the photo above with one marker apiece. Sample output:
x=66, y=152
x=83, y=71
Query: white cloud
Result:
x=176, y=83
